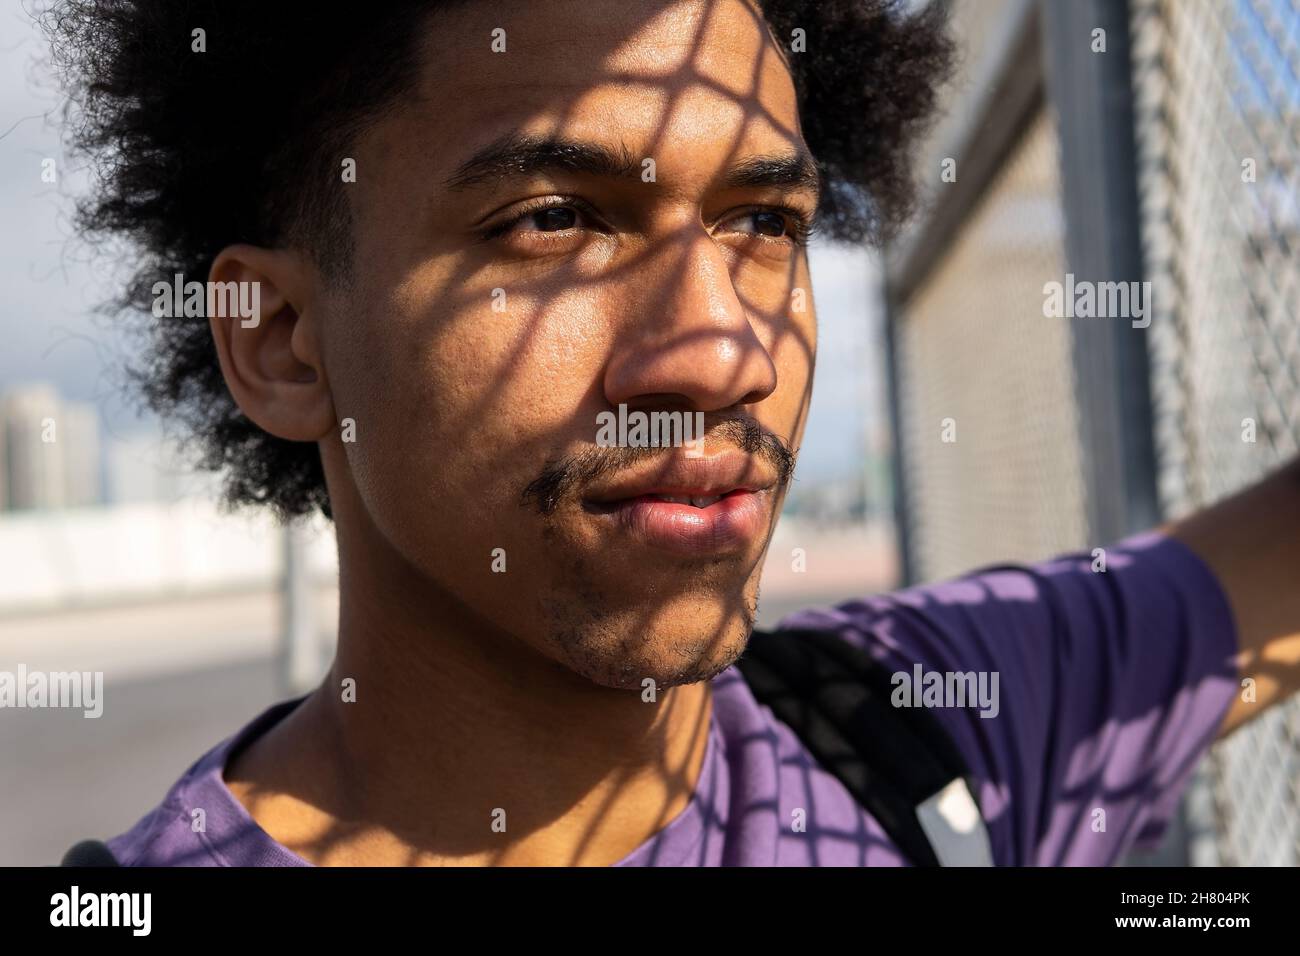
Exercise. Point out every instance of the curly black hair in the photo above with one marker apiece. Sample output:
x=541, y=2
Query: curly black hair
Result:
x=178, y=187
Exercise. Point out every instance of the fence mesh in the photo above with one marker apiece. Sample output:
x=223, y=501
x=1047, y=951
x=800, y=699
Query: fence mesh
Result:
x=1217, y=89
x=980, y=366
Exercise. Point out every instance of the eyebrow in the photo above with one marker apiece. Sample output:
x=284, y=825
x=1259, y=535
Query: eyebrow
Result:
x=522, y=155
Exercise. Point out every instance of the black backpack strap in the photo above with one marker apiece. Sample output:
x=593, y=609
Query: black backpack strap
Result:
x=89, y=853
x=898, y=763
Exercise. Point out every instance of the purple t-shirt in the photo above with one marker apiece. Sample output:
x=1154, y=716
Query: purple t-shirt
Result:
x=1110, y=686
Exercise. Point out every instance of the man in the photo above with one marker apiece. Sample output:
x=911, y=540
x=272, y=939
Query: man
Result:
x=473, y=229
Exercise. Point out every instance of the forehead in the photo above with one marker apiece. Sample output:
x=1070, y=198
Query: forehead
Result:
x=696, y=81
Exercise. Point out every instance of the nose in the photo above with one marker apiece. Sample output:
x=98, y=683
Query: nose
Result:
x=690, y=340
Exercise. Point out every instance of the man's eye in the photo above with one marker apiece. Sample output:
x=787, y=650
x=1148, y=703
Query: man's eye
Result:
x=767, y=223
x=554, y=219
x=546, y=219
x=770, y=223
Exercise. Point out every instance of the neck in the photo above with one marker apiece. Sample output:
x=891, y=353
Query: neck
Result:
x=463, y=745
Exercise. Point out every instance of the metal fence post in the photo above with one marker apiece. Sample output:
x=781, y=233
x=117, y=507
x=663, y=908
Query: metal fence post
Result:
x=299, y=641
x=1090, y=82
x=1093, y=96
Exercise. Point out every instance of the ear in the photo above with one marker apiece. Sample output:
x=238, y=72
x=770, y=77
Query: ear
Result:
x=270, y=355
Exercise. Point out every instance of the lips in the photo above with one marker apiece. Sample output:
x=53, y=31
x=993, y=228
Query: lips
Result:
x=685, y=479
x=695, y=501
x=689, y=506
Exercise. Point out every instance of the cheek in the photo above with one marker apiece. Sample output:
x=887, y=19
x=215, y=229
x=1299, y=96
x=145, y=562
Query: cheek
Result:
x=790, y=335
x=458, y=405
x=794, y=355
x=780, y=305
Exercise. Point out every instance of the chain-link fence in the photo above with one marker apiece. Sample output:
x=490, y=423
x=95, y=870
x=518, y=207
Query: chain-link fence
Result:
x=1004, y=448
x=1217, y=88
x=987, y=386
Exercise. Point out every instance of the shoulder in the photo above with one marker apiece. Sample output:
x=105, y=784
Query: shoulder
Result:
x=199, y=821
x=1080, y=690
x=171, y=834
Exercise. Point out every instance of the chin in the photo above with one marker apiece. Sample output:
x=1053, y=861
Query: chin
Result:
x=625, y=657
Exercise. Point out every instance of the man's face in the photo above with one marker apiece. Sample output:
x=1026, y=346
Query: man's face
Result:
x=498, y=308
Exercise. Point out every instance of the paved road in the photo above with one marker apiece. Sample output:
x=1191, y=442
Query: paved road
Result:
x=66, y=777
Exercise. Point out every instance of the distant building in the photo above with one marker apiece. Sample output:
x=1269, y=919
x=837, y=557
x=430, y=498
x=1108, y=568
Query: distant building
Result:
x=51, y=451
x=35, y=466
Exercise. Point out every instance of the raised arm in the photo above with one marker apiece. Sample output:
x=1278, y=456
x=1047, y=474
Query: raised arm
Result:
x=1251, y=542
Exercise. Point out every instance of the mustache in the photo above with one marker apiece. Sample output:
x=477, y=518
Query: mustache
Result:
x=563, y=477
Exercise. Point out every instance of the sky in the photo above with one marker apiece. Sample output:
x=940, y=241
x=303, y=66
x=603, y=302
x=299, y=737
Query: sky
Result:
x=51, y=283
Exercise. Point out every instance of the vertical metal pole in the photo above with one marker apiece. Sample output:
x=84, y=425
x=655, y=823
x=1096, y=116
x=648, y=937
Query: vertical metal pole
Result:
x=902, y=527
x=299, y=647
x=1093, y=95
x=1092, y=91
